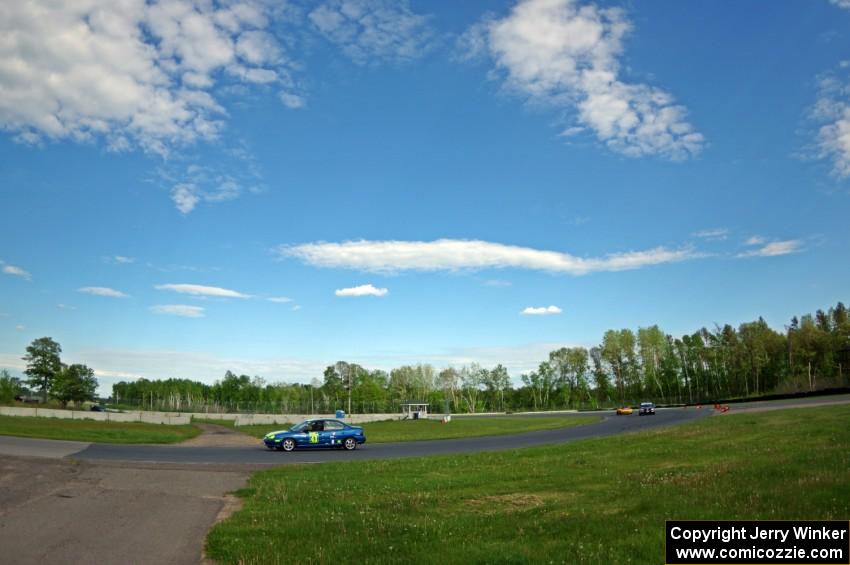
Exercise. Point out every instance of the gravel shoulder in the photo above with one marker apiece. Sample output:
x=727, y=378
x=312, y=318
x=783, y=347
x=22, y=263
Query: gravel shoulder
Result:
x=67, y=511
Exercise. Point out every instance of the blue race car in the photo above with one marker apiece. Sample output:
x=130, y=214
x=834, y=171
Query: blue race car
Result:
x=316, y=433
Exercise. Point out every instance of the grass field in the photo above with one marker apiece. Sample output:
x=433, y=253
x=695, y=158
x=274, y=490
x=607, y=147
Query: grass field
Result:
x=90, y=430
x=594, y=501
x=417, y=430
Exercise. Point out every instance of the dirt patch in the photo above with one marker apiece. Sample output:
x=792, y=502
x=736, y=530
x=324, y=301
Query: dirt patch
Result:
x=213, y=435
x=505, y=503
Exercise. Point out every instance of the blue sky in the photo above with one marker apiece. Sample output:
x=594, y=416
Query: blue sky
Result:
x=433, y=182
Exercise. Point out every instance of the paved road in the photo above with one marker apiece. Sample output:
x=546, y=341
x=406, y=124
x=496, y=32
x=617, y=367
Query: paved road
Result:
x=259, y=455
x=60, y=512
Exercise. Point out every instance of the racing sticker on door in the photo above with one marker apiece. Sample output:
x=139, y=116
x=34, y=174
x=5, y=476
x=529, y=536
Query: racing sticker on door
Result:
x=314, y=437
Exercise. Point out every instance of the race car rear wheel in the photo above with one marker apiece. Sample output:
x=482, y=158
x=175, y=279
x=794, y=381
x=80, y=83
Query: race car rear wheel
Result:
x=350, y=444
x=288, y=444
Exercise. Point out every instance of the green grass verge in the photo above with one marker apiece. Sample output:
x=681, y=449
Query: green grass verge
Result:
x=94, y=431
x=594, y=501
x=418, y=430
x=225, y=423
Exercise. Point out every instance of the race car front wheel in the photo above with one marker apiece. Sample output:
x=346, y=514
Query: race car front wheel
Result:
x=350, y=444
x=288, y=444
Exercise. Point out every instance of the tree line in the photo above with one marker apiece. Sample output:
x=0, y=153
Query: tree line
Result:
x=812, y=352
x=49, y=377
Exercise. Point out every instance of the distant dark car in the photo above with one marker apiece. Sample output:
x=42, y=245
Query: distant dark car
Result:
x=27, y=399
x=96, y=408
x=316, y=433
x=646, y=409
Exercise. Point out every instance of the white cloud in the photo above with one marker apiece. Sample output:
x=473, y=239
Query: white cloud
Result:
x=831, y=113
x=841, y=3
x=183, y=310
x=454, y=255
x=102, y=291
x=234, y=172
x=774, y=249
x=135, y=72
x=566, y=54
x=120, y=260
x=280, y=299
x=201, y=290
x=15, y=271
x=66, y=307
x=498, y=283
x=373, y=30
x=292, y=100
x=362, y=290
x=713, y=234
x=754, y=240
x=541, y=311
x=20, y=328
x=185, y=197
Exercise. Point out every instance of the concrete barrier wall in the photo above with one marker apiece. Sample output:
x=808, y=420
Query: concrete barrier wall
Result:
x=149, y=417
x=213, y=416
x=273, y=419
x=183, y=418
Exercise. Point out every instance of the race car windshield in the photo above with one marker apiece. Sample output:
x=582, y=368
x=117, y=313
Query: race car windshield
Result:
x=298, y=427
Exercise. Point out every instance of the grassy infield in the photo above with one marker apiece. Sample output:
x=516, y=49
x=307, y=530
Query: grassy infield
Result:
x=594, y=501
x=376, y=432
x=91, y=430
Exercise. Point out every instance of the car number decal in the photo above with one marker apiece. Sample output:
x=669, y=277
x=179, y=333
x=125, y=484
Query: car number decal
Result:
x=314, y=437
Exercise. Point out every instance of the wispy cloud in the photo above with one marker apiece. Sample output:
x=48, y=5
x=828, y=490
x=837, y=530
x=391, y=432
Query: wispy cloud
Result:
x=235, y=172
x=20, y=327
x=540, y=311
x=201, y=290
x=183, y=310
x=362, y=290
x=713, y=234
x=831, y=114
x=119, y=260
x=14, y=271
x=102, y=291
x=566, y=54
x=280, y=299
x=841, y=3
x=775, y=248
x=455, y=255
x=754, y=240
x=497, y=283
x=373, y=30
x=66, y=307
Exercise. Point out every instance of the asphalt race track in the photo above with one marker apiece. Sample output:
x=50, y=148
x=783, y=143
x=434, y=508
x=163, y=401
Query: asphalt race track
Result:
x=611, y=425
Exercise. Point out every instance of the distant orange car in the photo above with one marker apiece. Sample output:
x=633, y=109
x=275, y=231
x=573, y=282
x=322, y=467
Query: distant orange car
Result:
x=624, y=411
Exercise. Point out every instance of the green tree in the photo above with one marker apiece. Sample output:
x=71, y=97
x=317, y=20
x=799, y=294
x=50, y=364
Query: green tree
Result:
x=9, y=387
x=75, y=383
x=472, y=378
x=43, y=364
